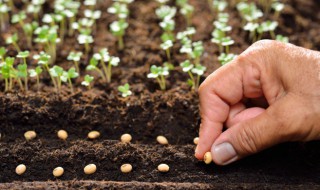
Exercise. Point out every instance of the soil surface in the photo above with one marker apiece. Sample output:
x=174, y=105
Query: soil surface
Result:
x=145, y=115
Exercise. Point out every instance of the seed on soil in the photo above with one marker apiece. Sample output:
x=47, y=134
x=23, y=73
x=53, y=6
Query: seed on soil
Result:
x=126, y=138
x=29, y=135
x=163, y=168
x=62, y=134
x=58, y=171
x=93, y=134
x=162, y=140
x=126, y=168
x=20, y=169
x=90, y=169
x=207, y=158
x=196, y=140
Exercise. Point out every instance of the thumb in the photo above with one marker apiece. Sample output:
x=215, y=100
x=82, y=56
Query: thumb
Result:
x=271, y=127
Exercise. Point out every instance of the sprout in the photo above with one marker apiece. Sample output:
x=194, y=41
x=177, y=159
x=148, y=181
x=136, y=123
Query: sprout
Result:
x=56, y=72
x=125, y=90
x=267, y=26
x=166, y=47
x=197, y=51
x=189, y=68
x=3, y=52
x=14, y=41
x=22, y=68
x=166, y=12
x=49, y=38
x=163, y=1
x=226, y=58
x=8, y=73
x=281, y=38
x=87, y=81
x=159, y=73
x=277, y=7
x=93, y=66
x=67, y=76
x=75, y=57
x=4, y=16
x=249, y=11
x=44, y=60
x=92, y=15
x=220, y=38
x=219, y=5
x=83, y=26
x=252, y=28
x=121, y=10
x=29, y=28
x=19, y=18
x=188, y=33
x=187, y=11
x=36, y=73
x=86, y=40
x=104, y=57
x=118, y=29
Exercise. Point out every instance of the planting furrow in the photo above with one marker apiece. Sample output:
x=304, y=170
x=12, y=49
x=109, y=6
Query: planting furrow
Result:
x=147, y=185
x=42, y=156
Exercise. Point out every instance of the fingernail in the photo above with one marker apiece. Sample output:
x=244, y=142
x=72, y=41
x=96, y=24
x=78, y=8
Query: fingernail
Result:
x=196, y=150
x=224, y=153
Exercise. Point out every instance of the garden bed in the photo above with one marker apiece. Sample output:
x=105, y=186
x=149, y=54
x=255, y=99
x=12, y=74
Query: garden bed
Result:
x=146, y=114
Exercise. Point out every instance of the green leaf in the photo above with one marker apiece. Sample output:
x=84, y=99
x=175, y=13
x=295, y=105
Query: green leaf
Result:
x=23, y=54
x=72, y=73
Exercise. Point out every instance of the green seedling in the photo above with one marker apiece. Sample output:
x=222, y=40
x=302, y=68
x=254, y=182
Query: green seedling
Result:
x=166, y=47
x=4, y=15
x=277, y=7
x=166, y=12
x=14, y=41
x=35, y=8
x=36, y=73
x=87, y=81
x=92, y=15
x=219, y=6
x=104, y=57
x=48, y=36
x=267, y=26
x=84, y=26
x=226, y=58
x=44, y=61
x=187, y=11
x=56, y=72
x=252, y=28
x=162, y=2
x=22, y=68
x=93, y=66
x=118, y=29
x=75, y=57
x=125, y=90
x=223, y=41
x=67, y=76
x=119, y=9
x=3, y=52
x=159, y=73
x=282, y=38
x=29, y=28
x=86, y=40
x=197, y=52
x=188, y=67
x=249, y=12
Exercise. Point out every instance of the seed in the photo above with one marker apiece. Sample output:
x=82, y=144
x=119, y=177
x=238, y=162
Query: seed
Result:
x=58, y=171
x=93, y=135
x=162, y=140
x=20, y=169
x=163, y=168
x=90, y=169
x=62, y=134
x=207, y=158
x=29, y=135
x=126, y=168
x=196, y=140
x=126, y=138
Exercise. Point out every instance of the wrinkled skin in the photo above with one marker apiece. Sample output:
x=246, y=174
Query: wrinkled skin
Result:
x=282, y=82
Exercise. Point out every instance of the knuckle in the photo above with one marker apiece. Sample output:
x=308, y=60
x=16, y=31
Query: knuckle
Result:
x=248, y=140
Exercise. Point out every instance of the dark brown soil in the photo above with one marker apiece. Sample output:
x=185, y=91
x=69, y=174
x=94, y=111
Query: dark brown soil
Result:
x=145, y=115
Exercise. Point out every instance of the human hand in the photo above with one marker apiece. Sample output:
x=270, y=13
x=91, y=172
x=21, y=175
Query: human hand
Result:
x=284, y=77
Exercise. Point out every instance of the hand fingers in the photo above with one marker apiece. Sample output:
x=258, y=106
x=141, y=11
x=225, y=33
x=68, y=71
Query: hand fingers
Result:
x=271, y=127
